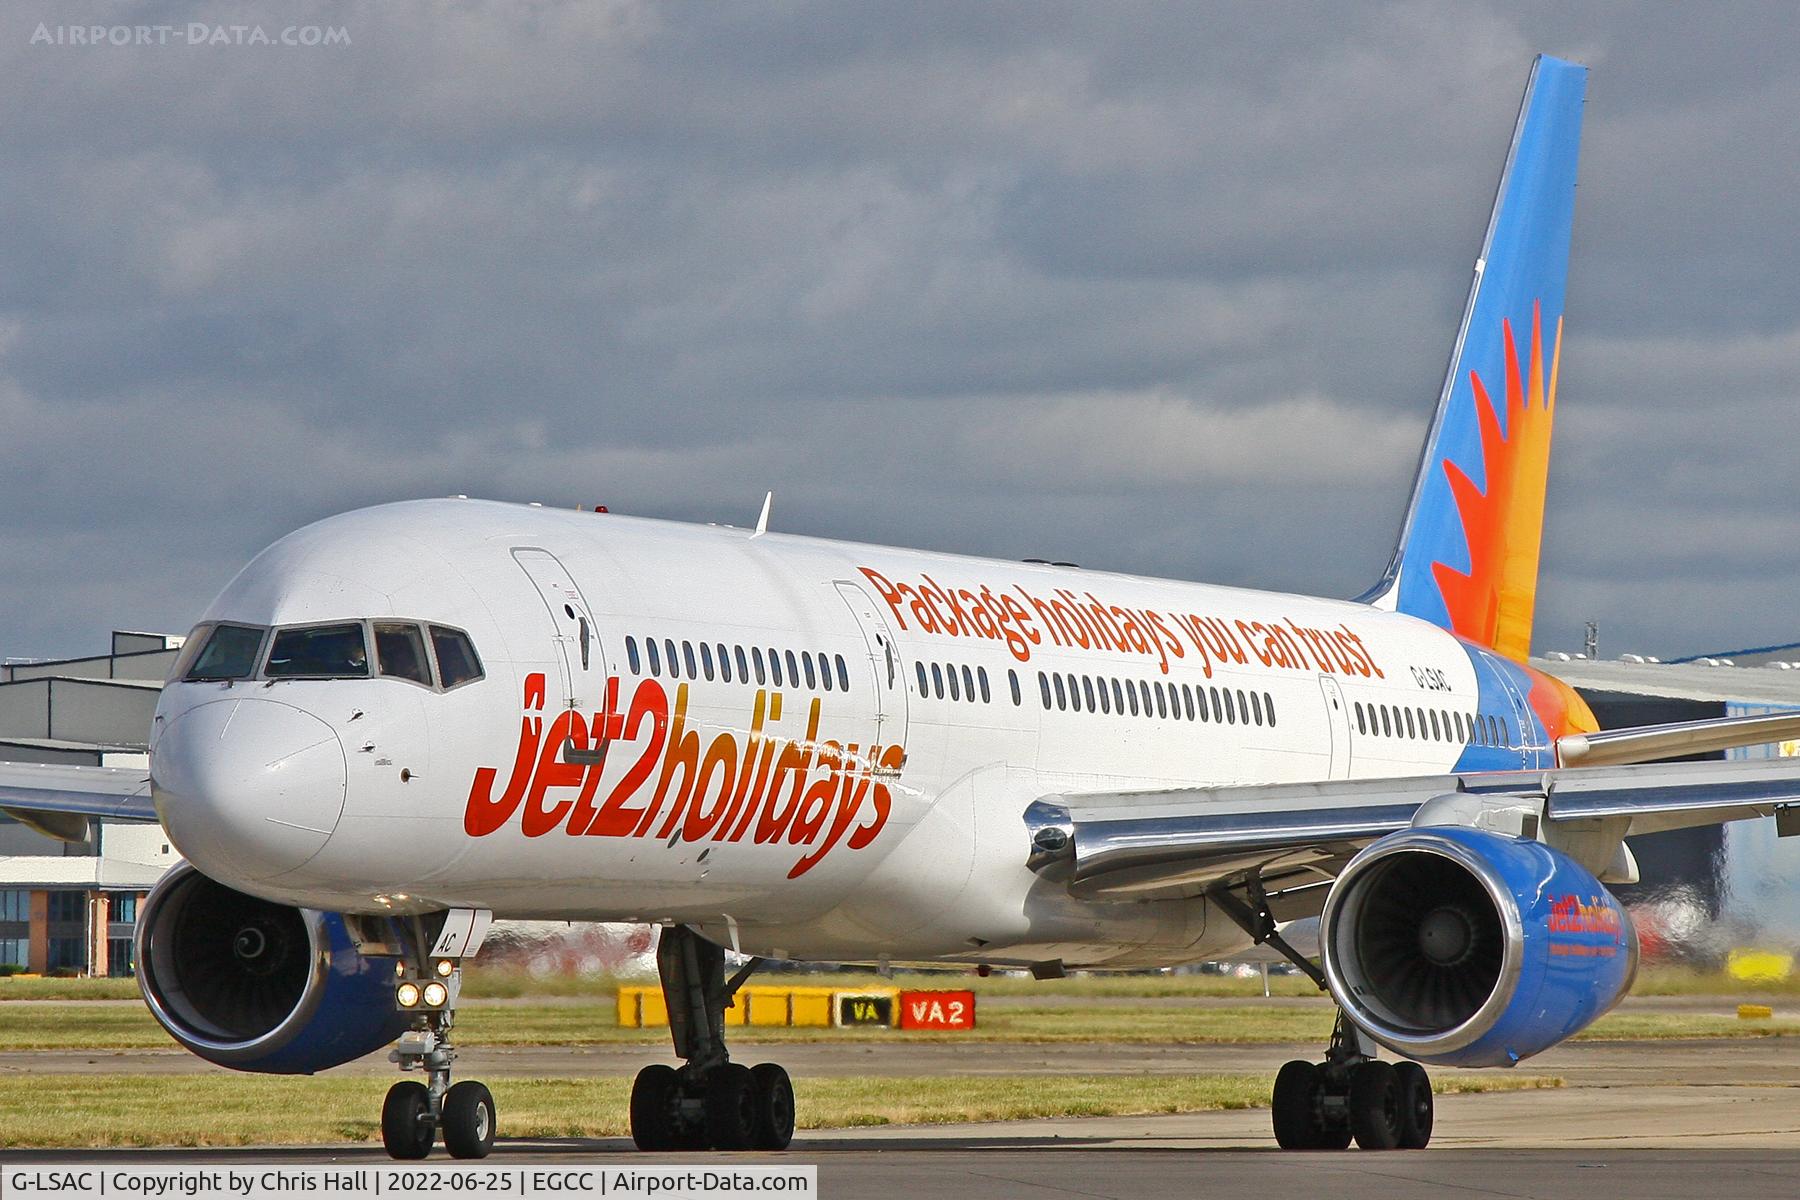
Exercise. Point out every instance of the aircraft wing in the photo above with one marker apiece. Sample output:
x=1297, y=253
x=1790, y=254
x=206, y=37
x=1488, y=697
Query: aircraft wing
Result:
x=60, y=800
x=1290, y=840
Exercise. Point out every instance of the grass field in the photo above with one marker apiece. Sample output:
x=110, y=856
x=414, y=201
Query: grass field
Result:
x=237, y=1110
x=486, y=983
x=49, y=1025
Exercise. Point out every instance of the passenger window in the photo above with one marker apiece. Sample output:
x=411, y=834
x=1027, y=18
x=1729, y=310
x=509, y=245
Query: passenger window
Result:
x=1162, y=703
x=229, y=653
x=1362, y=725
x=706, y=660
x=724, y=663
x=400, y=652
x=1105, y=699
x=1012, y=681
x=1387, y=728
x=631, y=654
x=1256, y=707
x=1410, y=731
x=1243, y=708
x=1217, y=707
x=1062, y=700
x=1044, y=689
x=674, y=658
x=1269, y=708
x=1200, y=708
x=456, y=661
x=1187, y=699
x=1074, y=692
x=1230, y=712
x=743, y=664
x=655, y=658
x=937, y=680
x=955, y=692
x=968, y=682
x=319, y=652
x=812, y=682
x=1118, y=698
x=824, y=671
x=1131, y=697
x=924, y=688
x=793, y=669
x=1087, y=691
x=687, y=660
x=844, y=674
x=981, y=678
x=756, y=661
x=1144, y=686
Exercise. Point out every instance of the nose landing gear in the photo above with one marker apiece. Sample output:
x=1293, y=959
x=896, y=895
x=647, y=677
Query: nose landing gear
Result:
x=710, y=1102
x=414, y=1113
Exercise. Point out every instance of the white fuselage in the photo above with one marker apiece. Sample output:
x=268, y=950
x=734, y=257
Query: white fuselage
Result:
x=786, y=813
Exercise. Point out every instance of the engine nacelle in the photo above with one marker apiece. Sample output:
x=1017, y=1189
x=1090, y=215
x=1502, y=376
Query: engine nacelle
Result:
x=257, y=986
x=1470, y=948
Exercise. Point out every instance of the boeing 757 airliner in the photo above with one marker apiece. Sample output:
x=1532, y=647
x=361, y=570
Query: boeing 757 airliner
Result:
x=399, y=724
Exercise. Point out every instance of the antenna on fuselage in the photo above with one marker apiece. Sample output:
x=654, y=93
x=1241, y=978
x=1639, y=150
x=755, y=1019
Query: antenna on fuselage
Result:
x=762, y=521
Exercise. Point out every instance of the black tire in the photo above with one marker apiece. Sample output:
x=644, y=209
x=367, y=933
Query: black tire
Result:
x=1375, y=1117
x=655, y=1094
x=468, y=1119
x=730, y=1107
x=406, y=1130
x=1415, y=1106
x=1298, y=1086
x=772, y=1122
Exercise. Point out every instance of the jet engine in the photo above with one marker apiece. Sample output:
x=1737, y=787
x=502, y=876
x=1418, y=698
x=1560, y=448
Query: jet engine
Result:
x=1465, y=947
x=257, y=986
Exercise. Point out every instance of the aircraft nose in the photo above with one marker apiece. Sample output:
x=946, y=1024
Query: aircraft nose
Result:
x=248, y=789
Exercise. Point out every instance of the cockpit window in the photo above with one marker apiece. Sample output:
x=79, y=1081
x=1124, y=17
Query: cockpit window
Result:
x=455, y=656
x=319, y=652
x=229, y=652
x=400, y=652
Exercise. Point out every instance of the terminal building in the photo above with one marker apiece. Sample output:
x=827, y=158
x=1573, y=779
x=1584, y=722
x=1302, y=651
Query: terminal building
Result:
x=72, y=908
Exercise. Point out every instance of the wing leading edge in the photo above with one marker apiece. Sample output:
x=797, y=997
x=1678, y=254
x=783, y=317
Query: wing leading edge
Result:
x=60, y=800
x=1288, y=837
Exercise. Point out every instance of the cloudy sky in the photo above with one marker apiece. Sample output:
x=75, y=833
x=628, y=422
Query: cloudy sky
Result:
x=1160, y=288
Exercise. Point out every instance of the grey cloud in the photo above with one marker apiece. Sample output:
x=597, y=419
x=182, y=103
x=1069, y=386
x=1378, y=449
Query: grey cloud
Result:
x=1149, y=287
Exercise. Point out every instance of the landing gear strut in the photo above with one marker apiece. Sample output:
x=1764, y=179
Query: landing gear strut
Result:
x=710, y=1102
x=414, y=1113
x=1352, y=1094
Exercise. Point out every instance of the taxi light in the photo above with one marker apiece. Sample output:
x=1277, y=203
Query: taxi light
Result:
x=445, y=967
x=407, y=995
x=435, y=994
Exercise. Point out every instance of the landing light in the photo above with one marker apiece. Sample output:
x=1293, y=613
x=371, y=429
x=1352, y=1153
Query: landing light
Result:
x=407, y=994
x=435, y=994
x=445, y=967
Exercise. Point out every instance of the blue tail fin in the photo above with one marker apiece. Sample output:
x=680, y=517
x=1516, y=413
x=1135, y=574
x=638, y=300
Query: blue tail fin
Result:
x=1467, y=558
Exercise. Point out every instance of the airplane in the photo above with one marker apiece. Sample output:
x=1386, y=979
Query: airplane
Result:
x=399, y=724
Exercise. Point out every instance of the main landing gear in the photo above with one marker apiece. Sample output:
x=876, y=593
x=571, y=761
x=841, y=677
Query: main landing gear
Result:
x=1352, y=1094
x=415, y=1114
x=709, y=1103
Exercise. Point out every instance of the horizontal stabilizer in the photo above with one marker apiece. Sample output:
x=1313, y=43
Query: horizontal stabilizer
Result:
x=1653, y=743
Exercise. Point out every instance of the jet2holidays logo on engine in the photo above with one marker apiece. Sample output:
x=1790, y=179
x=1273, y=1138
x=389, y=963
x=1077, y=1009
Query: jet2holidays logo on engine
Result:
x=765, y=789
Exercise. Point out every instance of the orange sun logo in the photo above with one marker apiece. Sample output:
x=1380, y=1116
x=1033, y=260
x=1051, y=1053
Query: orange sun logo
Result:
x=1491, y=604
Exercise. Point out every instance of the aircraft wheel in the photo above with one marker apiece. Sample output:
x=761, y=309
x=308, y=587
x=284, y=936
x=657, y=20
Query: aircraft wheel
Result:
x=772, y=1122
x=655, y=1094
x=406, y=1130
x=1415, y=1105
x=1298, y=1088
x=1375, y=1114
x=730, y=1107
x=468, y=1119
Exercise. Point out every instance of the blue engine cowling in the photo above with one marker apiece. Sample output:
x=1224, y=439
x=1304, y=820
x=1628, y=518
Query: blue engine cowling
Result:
x=257, y=986
x=1469, y=948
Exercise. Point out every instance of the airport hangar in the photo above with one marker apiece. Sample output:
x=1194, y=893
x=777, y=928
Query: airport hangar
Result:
x=72, y=908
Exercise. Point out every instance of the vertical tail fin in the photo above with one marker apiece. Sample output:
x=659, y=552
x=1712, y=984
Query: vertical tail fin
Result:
x=1468, y=552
